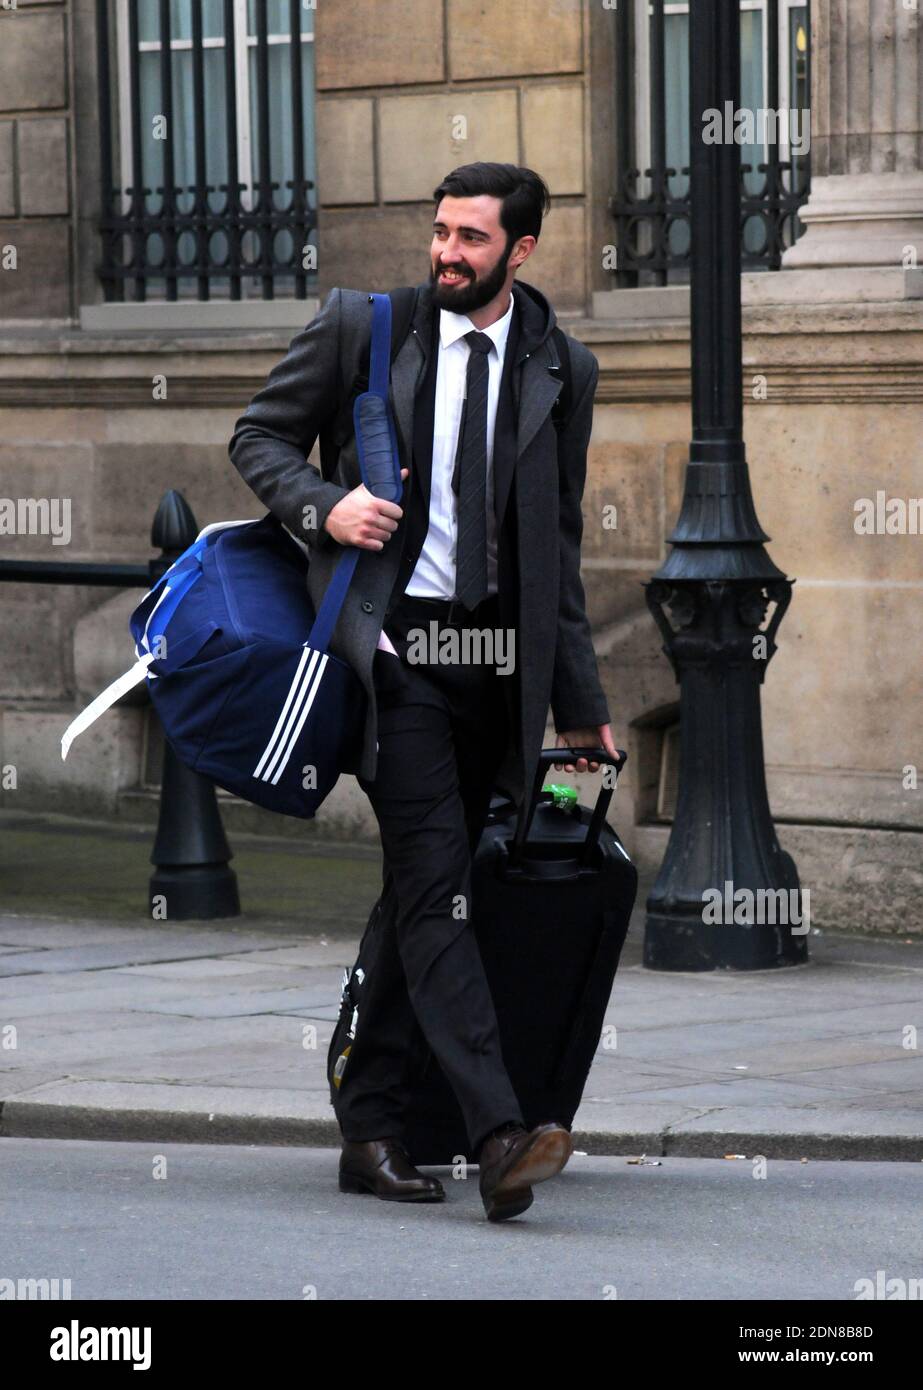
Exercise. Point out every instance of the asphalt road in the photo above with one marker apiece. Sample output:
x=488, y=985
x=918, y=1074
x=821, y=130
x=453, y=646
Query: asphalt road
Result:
x=232, y=1222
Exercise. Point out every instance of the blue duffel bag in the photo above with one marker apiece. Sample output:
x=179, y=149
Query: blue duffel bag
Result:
x=236, y=661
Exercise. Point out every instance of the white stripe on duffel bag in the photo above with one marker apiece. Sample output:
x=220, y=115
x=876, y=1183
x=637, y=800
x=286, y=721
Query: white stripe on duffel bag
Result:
x=297, y=707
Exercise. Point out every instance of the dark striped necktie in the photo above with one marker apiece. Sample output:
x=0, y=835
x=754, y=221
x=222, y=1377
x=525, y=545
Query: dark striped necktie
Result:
x=471, y=545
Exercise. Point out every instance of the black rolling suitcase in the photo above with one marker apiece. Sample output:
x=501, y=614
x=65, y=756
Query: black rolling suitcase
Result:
x=552, y=893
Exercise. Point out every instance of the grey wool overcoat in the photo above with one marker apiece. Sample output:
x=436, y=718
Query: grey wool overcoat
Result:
x=540, y=588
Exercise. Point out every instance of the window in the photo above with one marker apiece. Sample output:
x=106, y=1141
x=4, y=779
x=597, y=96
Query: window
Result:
x=652, y=203
x=210, y=126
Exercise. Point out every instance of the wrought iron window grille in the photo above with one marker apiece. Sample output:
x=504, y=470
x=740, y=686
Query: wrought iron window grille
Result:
x=230, y=83
x=650, y=206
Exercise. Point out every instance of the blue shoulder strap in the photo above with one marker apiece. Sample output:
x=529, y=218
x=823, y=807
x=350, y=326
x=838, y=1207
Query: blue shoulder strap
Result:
x=381, y=344
x=375, y=439
x=379, y=462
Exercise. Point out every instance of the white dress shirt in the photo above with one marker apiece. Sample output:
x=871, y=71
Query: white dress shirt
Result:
x=434, y=573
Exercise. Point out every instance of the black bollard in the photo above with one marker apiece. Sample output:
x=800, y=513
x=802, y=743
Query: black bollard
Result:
x=193, y=880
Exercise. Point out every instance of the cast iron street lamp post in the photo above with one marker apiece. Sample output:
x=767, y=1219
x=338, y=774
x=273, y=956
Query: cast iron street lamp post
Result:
x=717, y=584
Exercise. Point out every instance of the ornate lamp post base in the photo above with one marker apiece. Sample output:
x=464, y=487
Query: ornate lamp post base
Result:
x=727, y=894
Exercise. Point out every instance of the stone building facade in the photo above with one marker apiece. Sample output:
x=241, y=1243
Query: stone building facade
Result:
x=404, y=90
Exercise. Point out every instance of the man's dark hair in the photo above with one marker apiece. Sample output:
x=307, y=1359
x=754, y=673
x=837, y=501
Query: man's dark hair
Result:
x=525, y=194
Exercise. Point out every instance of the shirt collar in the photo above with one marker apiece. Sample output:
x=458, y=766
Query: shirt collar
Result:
x=454, y=326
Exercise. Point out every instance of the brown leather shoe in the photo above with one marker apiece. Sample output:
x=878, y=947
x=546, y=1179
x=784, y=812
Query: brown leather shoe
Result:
x=511, y=1161
x=381, y=1167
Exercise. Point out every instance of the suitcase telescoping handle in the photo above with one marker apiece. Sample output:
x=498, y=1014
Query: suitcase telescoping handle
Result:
x=567, y=755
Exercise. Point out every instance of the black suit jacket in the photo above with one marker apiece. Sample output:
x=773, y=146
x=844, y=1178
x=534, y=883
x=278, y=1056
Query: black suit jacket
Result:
x=539, y=481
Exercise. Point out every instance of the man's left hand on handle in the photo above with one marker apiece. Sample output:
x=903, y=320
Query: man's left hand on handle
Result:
x=600, y=736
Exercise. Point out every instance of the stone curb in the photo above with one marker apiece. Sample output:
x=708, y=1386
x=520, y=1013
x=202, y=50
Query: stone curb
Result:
x=38, y=1120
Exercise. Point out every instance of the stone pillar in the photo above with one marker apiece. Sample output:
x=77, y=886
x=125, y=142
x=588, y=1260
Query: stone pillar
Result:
x=866, y=203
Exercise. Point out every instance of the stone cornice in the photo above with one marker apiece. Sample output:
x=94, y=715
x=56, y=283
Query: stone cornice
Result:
x=128, y=393
x=786, y=383
x=815, y=353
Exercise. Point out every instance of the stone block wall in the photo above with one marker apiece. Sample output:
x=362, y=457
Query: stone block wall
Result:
x=35, y=189
x=408, y=90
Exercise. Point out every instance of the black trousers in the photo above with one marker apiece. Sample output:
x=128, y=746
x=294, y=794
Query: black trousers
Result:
x=443, y=731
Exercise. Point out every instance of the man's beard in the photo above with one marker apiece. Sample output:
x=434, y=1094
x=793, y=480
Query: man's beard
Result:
x=467, y=296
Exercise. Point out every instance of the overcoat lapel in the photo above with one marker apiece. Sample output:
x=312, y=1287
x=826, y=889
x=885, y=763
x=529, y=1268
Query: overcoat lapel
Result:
x=407, y=373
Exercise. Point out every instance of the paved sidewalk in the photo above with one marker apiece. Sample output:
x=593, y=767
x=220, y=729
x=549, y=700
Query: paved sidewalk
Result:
x=157, y=1032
